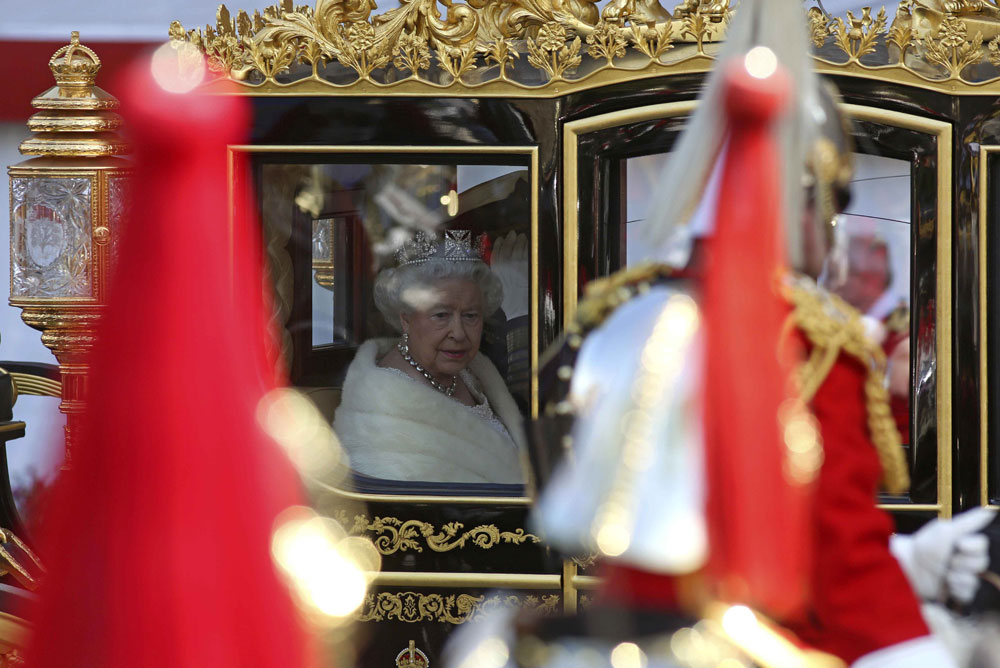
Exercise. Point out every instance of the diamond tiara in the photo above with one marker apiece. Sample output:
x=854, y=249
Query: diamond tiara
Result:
x=457, y=246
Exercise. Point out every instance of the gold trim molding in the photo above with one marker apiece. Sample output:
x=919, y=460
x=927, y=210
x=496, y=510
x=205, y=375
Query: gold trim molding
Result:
x=546, y=48
x=985, y=152
x=413, y=607
x=392, y=534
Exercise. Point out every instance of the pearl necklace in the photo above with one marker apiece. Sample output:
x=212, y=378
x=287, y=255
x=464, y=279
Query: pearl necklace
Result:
x=449, y=391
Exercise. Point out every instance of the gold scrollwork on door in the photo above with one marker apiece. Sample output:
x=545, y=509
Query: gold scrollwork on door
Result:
x=412, y=607
x=393, y=535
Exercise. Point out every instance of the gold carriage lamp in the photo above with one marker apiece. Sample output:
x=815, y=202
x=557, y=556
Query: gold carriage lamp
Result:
x=66, y=205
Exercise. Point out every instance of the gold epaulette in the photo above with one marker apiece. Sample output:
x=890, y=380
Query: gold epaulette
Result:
x=833, y=326
x=603, y=295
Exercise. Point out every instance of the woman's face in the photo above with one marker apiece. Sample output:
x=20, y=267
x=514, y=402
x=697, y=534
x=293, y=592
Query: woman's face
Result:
x=445, y=326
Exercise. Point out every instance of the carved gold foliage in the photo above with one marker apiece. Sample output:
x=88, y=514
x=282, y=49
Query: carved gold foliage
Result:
x=951, y=48
x=901, y=31
x=413, y=607
x=450, y=38
x=360, y=51
x=502, y=52
x=412, y=54
x=457, y=60
x=549, y=51
x=993, y=51
x=271, y=57
x=653, y=41
x=696, y=26
x=857, y=37
x=819, y=26
x=393, y=535
x=607, y=41
x=422, y=17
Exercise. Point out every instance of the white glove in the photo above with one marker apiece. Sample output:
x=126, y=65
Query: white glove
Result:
x=945, y=557
x=509, y=261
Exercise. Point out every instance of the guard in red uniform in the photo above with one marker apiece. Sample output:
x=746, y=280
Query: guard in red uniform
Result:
x=705, y=466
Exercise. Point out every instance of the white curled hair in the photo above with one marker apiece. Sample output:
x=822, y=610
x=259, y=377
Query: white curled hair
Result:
x=393, y=282
x=667, y=232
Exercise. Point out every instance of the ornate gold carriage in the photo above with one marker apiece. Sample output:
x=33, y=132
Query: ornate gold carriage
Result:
x=550, y=119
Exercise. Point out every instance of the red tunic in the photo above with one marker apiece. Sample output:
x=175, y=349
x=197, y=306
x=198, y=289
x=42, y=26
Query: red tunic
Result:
x=862, y=600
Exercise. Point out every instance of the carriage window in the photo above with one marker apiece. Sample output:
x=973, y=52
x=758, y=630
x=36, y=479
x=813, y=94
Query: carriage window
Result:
x=874, y=254
x=875, y=238
x=641, y=175
x=403, y=291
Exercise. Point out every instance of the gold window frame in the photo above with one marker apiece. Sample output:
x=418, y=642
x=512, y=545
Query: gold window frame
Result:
x=985, y=151
x=532, y=152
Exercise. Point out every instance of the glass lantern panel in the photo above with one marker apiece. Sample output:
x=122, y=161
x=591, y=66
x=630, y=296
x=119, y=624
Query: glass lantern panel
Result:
x=51, y=237
x=119, y=201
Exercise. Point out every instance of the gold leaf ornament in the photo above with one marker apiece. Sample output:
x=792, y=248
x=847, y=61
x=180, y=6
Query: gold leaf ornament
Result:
x=993, y=49
x=653, y=41
x=413, y=54
x=819, y=26
x=858, y=36
x=457, y=60
x=551, y=37
x=951, y=48
x=901, y=31
x=271, y=57
x=502, y=52
x=360, y=49
x=176, y=32
x=696, y=26
x=361, y=35
x=550, y=52
x=607, y=41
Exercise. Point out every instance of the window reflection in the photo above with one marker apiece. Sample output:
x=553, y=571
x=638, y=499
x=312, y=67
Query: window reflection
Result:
x=403, y=292
x=875, y=230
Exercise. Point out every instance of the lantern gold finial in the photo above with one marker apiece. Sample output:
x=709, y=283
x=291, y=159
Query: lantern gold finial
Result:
x=75, y=64
x=75, y=118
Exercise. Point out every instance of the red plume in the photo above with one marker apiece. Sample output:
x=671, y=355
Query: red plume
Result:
x=159, y=541
x=757, y=515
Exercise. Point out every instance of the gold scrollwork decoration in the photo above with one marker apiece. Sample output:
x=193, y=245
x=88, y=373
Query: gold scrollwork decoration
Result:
x=391, y=534
x=476, y=47
x=412, y=607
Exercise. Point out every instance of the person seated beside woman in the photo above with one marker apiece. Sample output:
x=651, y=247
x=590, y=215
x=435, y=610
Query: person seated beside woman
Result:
x=427, y=406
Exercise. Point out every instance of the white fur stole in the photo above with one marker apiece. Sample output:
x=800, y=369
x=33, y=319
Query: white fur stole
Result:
x=394, y=428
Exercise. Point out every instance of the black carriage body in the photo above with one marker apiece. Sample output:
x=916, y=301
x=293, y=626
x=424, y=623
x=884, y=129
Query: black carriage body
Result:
x=445, y=552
